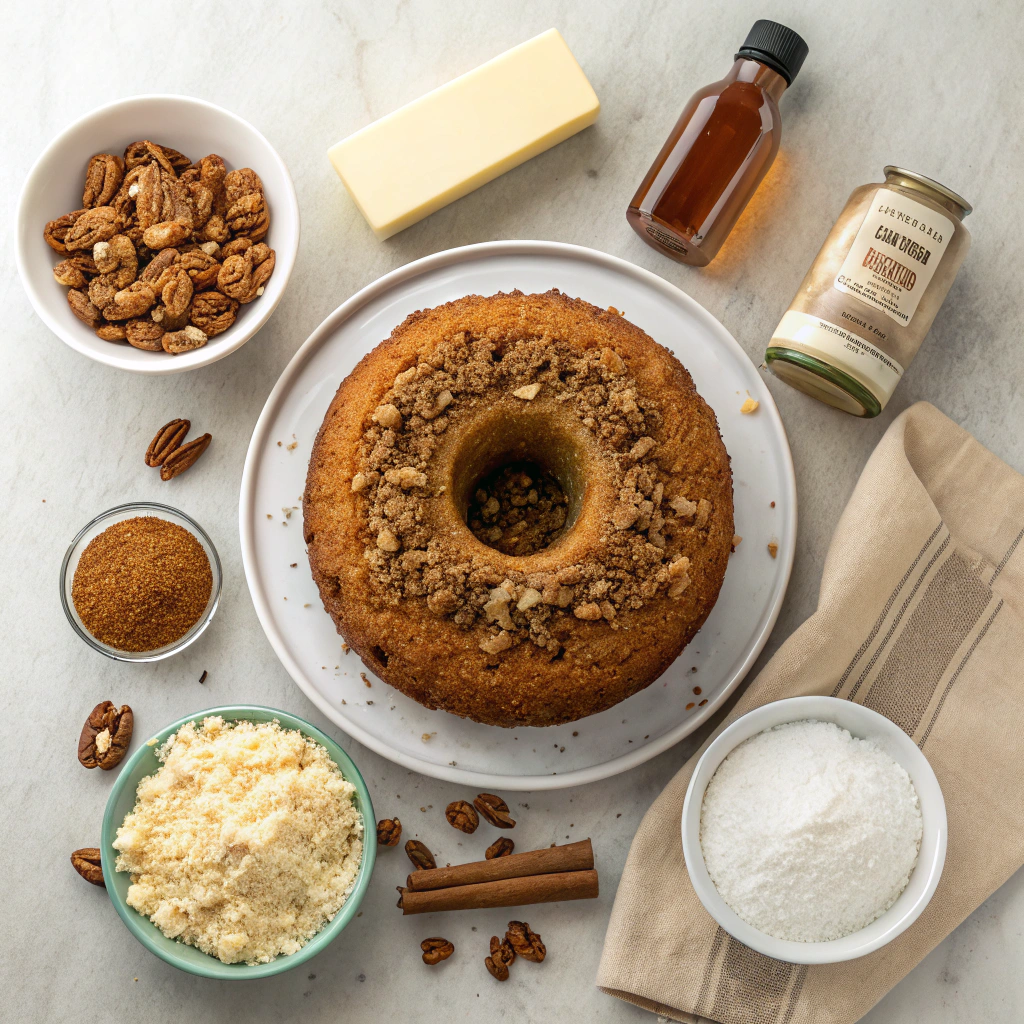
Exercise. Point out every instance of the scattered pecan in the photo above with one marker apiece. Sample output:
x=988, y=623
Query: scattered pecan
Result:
x=56, y=231
x=83, y=308
x=75, y=271
x=494, y=809
x=111, y=332
x=525, y=941
x=422, y=859
x=213, y=313
x=501, y=847
x=435, y=950
x=144, y=334
x=182, y=458
x=501, y=958
x=185, y=340
x=105, y=736
x=168, y=439
x=87, y=863
x=389, y=831
x=461, y=815
x=96, y=225
x=103, y=178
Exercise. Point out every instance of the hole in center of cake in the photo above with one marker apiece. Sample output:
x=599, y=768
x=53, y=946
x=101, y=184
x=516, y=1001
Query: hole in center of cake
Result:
x=518, y=508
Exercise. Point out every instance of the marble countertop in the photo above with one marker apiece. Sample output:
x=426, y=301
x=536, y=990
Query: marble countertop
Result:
x=883, y=84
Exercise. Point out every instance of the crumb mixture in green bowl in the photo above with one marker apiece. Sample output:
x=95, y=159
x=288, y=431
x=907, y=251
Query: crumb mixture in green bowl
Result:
x=122, y=800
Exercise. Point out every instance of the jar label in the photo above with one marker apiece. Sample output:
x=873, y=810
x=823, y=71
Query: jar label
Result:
x=842, y=349
x=895, y=253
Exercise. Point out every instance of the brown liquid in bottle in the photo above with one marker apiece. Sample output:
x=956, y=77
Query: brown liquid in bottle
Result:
x=720, y=149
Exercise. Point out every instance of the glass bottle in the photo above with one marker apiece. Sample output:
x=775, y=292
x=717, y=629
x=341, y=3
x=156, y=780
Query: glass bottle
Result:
x=719, y=151
x=872, y=292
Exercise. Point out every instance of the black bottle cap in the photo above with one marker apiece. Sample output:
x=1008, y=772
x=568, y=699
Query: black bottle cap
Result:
x=777, y=46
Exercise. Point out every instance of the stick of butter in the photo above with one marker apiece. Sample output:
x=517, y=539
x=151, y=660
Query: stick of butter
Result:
x=444, y=145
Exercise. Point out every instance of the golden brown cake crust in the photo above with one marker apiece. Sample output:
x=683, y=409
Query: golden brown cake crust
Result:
x=590, y=642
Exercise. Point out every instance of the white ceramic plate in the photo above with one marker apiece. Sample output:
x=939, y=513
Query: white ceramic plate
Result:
x=434, y=742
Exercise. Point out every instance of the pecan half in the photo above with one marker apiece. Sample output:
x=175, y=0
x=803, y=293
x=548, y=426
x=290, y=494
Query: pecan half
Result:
x=117, y=258
x=213, y=313
x=144, y=334
x=157, y=268
x=201, y=268
x=460, y=815
x=422, y=859
x=182, y=458
x=96, y=225
x=130, y=302
x=234, y=278
x=494, y=809
x=249, y=217
x=176, y=295
x=105, y=736
x=83, y=308
x=501, y=847
x=242, y=182
x=87, y=863
x=75, y=271
x=525, y=941
x=389, y=831
x=144, y=152
x=102, y=291
x=185, y=340
x=214, y=230
x=149, y=197
x=56, y=231
x=435, y=950
x=168, y=439
x=103, y=178
x=111, y=332
x=501, y=958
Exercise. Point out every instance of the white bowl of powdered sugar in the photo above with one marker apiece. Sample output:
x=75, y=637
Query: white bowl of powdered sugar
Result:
x=814, y=830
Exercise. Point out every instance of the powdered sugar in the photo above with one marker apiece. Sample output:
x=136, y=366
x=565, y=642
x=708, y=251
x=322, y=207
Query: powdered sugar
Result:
x=809, y=833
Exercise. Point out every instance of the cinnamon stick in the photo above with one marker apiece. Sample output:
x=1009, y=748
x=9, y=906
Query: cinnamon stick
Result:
x=505, y=892
x=571, y=857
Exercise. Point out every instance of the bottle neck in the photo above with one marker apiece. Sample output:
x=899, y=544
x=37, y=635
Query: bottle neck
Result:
x=747, y=70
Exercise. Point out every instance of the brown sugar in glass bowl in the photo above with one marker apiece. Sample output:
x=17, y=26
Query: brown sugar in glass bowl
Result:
x=140, y=582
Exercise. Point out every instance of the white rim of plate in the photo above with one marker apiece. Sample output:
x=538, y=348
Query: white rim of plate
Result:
x=161, y=367
x=449, y=257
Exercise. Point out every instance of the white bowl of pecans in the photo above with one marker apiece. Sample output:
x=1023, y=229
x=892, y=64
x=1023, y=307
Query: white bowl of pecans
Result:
x=157, y=234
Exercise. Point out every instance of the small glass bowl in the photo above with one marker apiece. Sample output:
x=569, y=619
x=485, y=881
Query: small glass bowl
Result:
x=96, y=527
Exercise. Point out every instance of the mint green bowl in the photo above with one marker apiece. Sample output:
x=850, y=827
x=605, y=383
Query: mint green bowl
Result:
x=187, y=958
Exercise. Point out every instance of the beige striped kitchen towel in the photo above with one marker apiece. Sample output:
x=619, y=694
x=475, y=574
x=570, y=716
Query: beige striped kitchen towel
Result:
x=921, y=617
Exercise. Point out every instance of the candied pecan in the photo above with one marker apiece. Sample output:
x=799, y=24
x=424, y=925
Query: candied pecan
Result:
x=201, y=199
x=460, y=815
x=144, y=334
x=146, y=152
x=185, y=340
x=149, y=199
x=96, y=225
x=184, y=457
x=501, y=847
x=422, y=859
x=154, y=273
x=501, y=958
x=213, y=313
x=117, y=259
x=235, y=277
x=235, y=247
x=201, y=268
x=168, y=439
x=130, y=302
x=264, y=259
x=526, y=942
x=435, y=950
x=212, y=173
x=111, y=332
x=88, y=864
x=102, y=291
x=105, y=736
x=494, y=809
x=249, y=217
x=103, y=178
x=214, y=230
x=176, y=295
x=83, y=308
x=75, y=271
x=124, y=201
x=389, y=831
x=166, y=233
x=241, y=182
x=56, y=231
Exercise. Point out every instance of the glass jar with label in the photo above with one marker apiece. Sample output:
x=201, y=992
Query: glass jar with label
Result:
x=872, y=292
